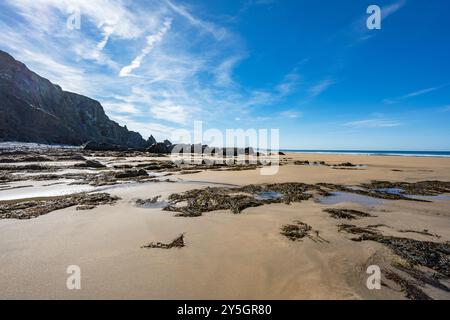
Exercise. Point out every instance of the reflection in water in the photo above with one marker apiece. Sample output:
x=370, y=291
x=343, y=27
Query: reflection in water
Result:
x=153, y=205
x=341, y=197
x=398, y=191
x=268, y=195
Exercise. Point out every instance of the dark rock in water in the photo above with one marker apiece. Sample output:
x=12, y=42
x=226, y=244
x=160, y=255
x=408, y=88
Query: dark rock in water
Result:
x=90, y=164
x=131, y=174
x=160, y=148
x=281, y=153
x=33, y=109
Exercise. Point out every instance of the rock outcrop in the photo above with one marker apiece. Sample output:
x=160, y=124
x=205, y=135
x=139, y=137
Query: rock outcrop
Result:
x=160, y=148
x=32, y=109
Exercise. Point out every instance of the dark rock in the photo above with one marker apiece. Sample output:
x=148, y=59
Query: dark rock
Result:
x=249, y=151
x=123, y=166
x=191, y=149
x=33, y=109
x=151, y=141
x=346, y=164
x=167, y=143
x=230, y=152
x=102, y=146
x=176, y=243
x=160, y=148
x=131, y=174
x=30, y=167
x=31, y=158
x=75, y=157
x=90, y=164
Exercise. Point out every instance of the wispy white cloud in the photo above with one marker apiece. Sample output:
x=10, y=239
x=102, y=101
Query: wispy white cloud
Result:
x=101, y=12
x=357, y=32
x=321, y=87
x=414, y=94
x=172, y=80
x=388, y=10
x=260, y=2
x=146, y=128
x=107, y=32
x=70, y=77
x=224, y=72
x=218, y=32
x=291, y=114
x=289, y=83
x=118, y=108
x=152, y=40
x=373, y=123
x=169, y=112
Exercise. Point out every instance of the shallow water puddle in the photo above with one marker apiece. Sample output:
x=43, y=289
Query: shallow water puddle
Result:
x=398, y=191
x=429, y=198
x=154, y=205
x=342, y=197
x=23, y=190
x=268, y=195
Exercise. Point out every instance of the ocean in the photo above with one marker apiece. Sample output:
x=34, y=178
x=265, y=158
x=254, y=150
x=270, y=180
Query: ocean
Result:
x=443, y=154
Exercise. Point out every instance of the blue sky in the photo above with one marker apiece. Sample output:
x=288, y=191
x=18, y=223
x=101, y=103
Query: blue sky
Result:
x=310, y=68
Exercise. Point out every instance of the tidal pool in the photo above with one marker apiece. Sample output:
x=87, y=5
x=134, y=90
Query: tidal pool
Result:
x=342, y=197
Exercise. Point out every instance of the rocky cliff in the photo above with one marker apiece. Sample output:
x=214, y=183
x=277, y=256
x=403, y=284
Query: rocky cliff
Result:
x=32, y=109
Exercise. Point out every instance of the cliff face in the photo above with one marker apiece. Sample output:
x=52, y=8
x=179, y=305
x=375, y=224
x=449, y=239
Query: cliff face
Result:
x=32, y=109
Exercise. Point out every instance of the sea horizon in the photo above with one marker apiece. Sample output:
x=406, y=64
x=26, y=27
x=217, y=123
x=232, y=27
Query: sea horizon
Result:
x=404, y=153
x=410, y=153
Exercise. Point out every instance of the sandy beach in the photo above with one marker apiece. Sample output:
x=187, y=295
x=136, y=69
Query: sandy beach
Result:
x=226, y=255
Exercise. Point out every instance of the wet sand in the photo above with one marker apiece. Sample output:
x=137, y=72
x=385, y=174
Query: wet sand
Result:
x=226, y=256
